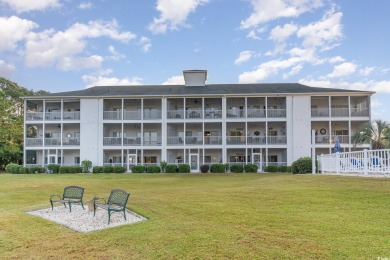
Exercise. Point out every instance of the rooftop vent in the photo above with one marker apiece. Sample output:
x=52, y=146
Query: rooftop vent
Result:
x=195, y=77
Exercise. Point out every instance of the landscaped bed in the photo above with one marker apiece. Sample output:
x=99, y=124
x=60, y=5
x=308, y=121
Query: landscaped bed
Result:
x=242, y=216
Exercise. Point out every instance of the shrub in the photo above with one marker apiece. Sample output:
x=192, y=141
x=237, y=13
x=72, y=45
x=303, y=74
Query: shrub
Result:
x=251, y=167
x=119, y=169
x=171, y=168
x=63, y=169
x=53, y=168
x=184, y=168
x=23, y=170
x=12, y=168
x=218, y=168
x=272, y=168
x=288, y=168
x=302, y=166
x=138, y=169
x=237, y=168
x=37, y=169
x=97, y=169
x=153, y=169
x=163, y=165
x=108, y=169
x=75, y=169
x=86, y=166
x=282, y=169
x=204, y=168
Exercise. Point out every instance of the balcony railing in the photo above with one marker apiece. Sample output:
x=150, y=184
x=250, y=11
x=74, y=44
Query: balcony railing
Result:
x=70, y=141
x=114, y=141
x=175, y=140
x=194, y=113
x=212, y=140
x=34, y=142
x=322, y=139
x=132, y=115
x=276, y=113
x=72, y=115
x=53, y=115
x=340, y=112
x=112, y=115
x=360, y=112
x=132, y=141
x=281, y=139
x=320, y=112
x=235, y=140
x=235, y=113
x=194, y=140
x=152, y=114
x=256, y=113
x=52, y=141
x=152, y=141
x=210, y=114
x=175, y=114
x=34, y=116
x=256, y=140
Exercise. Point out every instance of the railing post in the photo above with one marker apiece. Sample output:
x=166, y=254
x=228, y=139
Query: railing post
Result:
x=337, y=162
x=365, y=160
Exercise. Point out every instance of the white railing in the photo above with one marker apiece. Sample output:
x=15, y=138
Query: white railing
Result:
x=276, y=113
x=34, y=116
x=72, y=115
x=366, y=161
x=112, y=141
x=319, y=112
x=255, y=113
x=235, y=139
x=280, y=139
x=132, y=141
x=151, y=141
x=53, y=115
x=360, y=112
x=132, y=115
x=210, y=114
x=194, y=113
x=340, y=112
x=210, y=140
x=256, y=140
x=175, y=140
x=179, y=114
x=34, y=142
x=70, y=141
x=152, y=114
x=52, y=141
x=112, y=115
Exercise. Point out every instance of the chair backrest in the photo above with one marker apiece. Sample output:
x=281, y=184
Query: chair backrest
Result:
x=118, y=197
x=73, y=192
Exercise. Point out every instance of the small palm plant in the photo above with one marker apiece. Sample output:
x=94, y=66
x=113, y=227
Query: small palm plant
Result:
x=378, y=132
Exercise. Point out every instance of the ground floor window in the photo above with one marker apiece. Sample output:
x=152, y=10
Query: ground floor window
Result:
x=150, y=159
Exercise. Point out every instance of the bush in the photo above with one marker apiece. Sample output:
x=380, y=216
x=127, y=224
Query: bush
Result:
x=184, y=168
x=237, y=168
x=12, y=168
x=23, y=170
x=153, y=169
x=37, y=169
x=138, y=169
x=86, y=166
x=282, y=168
x=272, y=168
x=204, y=168
x=218, y=168
x=288, y=168
x=53, y=168
x=251, y=168
x=97, y=169
x=108, y=169
x=119, y=169
x=302, y=166
x=76, y=169
x=63, y=169
x=163, y=165
x=171, y=168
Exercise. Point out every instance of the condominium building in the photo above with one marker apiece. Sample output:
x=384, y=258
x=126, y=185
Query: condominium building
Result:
x=195, y=123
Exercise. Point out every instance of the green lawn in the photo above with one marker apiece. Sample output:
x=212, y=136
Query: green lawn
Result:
x=204, y=216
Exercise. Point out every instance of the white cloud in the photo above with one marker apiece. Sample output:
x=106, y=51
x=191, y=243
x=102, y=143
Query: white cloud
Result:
x=173, y=13
x=31, y=5
x=6, y=69
x=280, y=34
x=12, y=30
x=372, y=85
x=324, y=34
x=244, y=57
x=366, y=71
x=146, y=44
x=101, y=80
x=64, y=49
x=295, y=70
x=174, y=80
x=85, y=5
x=336, y=59
x=266, y=10
x=342, y=70
x=114, y=54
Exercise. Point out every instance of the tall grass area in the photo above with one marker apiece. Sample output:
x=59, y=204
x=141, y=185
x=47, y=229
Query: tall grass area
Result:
x=206, y=216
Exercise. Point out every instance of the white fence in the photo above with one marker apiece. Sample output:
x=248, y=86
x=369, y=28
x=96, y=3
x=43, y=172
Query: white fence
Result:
x=365, y=162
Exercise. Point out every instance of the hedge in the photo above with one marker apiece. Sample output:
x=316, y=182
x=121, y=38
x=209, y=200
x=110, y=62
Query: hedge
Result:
x=171, y=168
x=302, y=165
x=53, y=168
x=138, y=169
x=153, y=169
x=37, y=169
x=119, y=169
x=108, y=169
x=97, y=169
x=184, y=168
x=70, y=169
x=218, y=168
x=237, y=168
x=251, y=168
x=204, y=168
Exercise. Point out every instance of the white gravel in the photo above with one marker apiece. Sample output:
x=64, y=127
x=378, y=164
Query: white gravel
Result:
x=83, y=220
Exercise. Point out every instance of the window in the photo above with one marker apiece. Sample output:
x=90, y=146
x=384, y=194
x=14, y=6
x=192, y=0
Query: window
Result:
x=150, y=159
x=77, y=160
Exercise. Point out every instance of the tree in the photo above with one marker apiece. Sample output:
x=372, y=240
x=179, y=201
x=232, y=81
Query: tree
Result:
x=11, y=121
x=377, y=131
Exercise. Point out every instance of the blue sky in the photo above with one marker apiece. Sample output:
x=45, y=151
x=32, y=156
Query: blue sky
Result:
x=61, y=45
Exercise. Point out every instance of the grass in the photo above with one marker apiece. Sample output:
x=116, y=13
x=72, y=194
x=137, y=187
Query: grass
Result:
x=204, y=216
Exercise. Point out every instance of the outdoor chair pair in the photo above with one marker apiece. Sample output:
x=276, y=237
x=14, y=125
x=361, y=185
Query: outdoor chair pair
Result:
x=74, y=195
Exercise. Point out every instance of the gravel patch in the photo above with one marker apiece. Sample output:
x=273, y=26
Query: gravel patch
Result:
x=83, y=220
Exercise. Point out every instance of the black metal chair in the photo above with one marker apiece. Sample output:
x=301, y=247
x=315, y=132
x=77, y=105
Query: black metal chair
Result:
x=71, y=195
x=116, y=203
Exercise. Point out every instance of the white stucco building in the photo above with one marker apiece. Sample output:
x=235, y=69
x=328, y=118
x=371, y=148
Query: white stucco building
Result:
x=195, y=123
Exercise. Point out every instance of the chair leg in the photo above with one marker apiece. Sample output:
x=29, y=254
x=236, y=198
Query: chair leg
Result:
x=109, y=217
x=51, y=202
x=70, y=207
x=82, y=205
x=124, y=213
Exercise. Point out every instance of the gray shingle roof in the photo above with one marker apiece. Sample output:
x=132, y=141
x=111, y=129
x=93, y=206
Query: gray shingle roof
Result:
x=210, y=89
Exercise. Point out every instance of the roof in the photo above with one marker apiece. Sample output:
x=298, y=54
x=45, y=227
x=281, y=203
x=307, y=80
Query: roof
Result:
x=208, y=89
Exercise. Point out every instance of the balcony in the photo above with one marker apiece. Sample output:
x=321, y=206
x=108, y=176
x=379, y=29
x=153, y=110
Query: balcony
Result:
x=34, y=116
x=152, y=141
x=234, y=140
x=132, y=115
x=194, y=140
x=70, y=141
x=276, y=113
x=34, y=142
x=52, y=116
x=212, y=140
x=194, y=114
x=281, y=139
x=112, y=115
x=175, y=140
x=320, y=112
x=175, y=114
x=132, y=141
x=112, y=141
x=360, y=112
x=71, y=115
x=256, y=140
x=256, y=113
x=52, y=141
x=339, y=112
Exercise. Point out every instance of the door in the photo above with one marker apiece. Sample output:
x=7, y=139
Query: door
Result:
x=194, y=162
x=131, y=161
x=257, y=159
x=52, y=159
